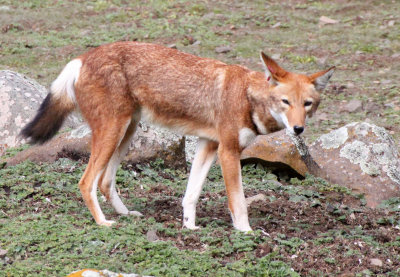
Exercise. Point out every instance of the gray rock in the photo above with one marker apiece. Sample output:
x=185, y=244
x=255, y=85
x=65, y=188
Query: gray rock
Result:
x=148, y=144
x=3, y=253
x=276, y=56
x=190, y=147
x=372, y=107
x=223, y=49
x=395, y=55
x=255, y=198
x=360, y=156
x=20, y=97
x=376, y=262
x=152, y=142
x=363, y=157
x=151, y=236
x=353, y=106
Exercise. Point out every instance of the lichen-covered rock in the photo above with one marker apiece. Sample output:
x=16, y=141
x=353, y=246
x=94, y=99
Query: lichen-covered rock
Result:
x=101, y=273
x=148, y=144
x=361, y=156
x=152, y=142
x=20, y=97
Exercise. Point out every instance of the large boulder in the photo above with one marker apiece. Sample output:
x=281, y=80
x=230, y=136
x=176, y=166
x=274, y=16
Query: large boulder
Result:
x=148, y=144
x=360, y=156
x=20, y=98
x=152, y=142
x=363, y=157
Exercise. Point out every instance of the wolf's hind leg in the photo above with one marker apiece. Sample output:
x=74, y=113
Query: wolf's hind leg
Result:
x=108, y=183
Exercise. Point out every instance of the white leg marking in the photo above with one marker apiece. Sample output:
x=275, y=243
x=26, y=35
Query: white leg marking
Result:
x=96, y=206
x=109, y=176
x=246, y=136
x=239, y=214
x=115, y=200
x=200, y=167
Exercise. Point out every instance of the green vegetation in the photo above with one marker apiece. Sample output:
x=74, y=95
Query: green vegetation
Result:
x=48, y=231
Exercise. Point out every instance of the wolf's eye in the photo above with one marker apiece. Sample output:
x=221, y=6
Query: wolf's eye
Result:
x=307, y=103
x=286, y=101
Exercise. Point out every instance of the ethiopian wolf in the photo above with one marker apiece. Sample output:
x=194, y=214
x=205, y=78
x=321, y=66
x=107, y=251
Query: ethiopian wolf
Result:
x=226, y=106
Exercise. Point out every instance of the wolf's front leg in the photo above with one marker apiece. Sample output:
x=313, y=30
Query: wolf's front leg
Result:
x=230, y=164
x=205, y=155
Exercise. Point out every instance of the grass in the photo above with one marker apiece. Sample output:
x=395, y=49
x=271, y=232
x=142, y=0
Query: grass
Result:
x=48, y=231
x=43, y=219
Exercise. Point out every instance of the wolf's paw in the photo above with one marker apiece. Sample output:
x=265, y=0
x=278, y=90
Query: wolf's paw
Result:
x=106, y=223
x=243, y=228
x=191, y=226
x=135, y=213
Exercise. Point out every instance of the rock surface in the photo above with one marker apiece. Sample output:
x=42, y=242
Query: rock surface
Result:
x=360, y=156
x=20, y=97
x=352, y=106
x=149, y=143
x=101, y=273
x=276, y=148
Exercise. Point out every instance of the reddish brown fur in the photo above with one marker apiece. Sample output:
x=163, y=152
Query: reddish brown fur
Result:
x=119, y=82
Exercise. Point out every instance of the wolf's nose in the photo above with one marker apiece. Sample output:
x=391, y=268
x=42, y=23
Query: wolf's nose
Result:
x=298, y=129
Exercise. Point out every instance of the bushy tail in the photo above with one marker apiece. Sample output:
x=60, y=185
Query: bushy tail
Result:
x=57, y=105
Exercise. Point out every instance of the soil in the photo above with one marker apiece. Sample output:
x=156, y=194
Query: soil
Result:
x=328, y=230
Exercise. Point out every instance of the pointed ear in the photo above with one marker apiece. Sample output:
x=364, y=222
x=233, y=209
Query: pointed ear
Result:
x=273, y=71
x=320, y=79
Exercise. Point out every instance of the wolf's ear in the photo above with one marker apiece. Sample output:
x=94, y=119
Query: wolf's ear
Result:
x=320, y=79
x=273, y=71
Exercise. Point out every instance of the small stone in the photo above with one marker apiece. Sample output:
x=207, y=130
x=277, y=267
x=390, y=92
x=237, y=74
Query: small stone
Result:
x=173, y=46
x=276, y=25
x=197, y=42
x=255, y=198
x=371, y=107
x=353, y=106
x=391, y=23
x=151, y=236
x=3, y=253
x=276, y=56
x=86, y=32
x=322, y=116
x=326, y=20
x=223, y=49
x=376, y=262
x=322, y=61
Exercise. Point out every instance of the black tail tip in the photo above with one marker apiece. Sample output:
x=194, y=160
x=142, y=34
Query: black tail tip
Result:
x=45, y=124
